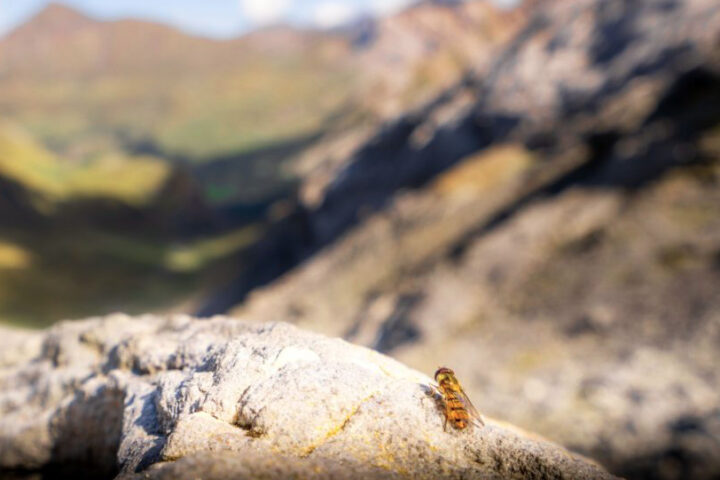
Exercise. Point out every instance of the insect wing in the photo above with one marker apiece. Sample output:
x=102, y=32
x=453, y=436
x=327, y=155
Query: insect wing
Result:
x=475, y=416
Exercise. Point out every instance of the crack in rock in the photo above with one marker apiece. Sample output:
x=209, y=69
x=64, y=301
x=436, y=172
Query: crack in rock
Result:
x=340, y=427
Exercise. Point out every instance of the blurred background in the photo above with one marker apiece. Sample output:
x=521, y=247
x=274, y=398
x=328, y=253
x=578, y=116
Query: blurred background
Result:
x=526, y=192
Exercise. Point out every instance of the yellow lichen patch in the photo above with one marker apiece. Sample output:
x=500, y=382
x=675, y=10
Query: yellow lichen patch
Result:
x=337, y=428
x=484, y=171
x=386, y=456
x=13, y=256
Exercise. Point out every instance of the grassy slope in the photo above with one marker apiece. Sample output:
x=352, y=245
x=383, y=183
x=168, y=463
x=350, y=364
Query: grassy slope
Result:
x=67, y=271
x=131, y=179
x=195, y=118
x=90, y=112
x=84, y=87
x=75, y=273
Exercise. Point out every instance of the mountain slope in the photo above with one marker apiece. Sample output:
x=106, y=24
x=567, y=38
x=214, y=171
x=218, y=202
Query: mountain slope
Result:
x=86, y=88
x=139, y=154
x=413, y=55
x=83, y=85
x=549, y=229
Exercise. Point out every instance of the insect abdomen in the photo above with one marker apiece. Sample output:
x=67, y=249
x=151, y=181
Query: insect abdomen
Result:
x=455, y=410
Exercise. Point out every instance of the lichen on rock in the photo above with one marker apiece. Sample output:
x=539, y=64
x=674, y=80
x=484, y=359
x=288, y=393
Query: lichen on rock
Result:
x=173, y=397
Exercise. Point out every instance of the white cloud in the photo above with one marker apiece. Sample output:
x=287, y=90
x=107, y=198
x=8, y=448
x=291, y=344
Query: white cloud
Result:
x=263, y=12
x=324, y=13
x=332, y=14
x=506, y=3
x=388, y=7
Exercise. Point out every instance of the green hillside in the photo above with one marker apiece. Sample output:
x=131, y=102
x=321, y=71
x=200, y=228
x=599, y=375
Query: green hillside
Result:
x=64, y=265
x=115, y=133
x=131, y=179
x=85, y=87
x=145, y=159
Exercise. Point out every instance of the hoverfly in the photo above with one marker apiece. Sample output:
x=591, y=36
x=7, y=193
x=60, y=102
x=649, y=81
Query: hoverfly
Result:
x=458, y=408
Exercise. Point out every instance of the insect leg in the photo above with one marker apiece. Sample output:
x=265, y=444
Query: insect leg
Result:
x=436, y=393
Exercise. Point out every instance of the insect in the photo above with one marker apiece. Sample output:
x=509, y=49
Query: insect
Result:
x=459, y=410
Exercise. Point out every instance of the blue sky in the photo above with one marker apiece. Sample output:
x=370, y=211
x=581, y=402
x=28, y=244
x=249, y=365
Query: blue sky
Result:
x=218, y=18
x=215, y=18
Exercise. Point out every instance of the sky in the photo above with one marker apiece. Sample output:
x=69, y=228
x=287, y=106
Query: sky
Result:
x=214, y=18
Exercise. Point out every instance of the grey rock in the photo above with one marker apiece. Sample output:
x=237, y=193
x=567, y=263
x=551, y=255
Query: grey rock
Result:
x=577, y=294
x=177, y=397
x=19, y=345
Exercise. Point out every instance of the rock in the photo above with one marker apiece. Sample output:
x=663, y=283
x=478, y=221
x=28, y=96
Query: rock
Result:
x=177, y=397
x=606, y=93
x=575, y=291
x=416, y=53
x=19, y=345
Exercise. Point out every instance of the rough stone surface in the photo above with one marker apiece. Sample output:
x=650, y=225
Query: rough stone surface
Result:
x=176, y=397
x=550, y=228
x=18, y=345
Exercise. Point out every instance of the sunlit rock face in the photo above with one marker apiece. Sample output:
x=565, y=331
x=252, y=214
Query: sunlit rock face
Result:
x=552, y=228
x=173, y=396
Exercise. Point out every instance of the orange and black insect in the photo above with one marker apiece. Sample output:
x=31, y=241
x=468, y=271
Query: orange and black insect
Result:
x=459, y=410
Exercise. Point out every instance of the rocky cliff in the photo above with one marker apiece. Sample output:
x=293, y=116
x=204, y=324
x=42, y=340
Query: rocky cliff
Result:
x=548, y=226
x=153, y=397
x=551, y=225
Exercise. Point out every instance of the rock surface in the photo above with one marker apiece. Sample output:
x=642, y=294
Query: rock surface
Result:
x=176, y=397
x=552, y=226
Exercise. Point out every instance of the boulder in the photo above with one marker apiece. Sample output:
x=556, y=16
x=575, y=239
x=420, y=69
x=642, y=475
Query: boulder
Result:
x=178, y=397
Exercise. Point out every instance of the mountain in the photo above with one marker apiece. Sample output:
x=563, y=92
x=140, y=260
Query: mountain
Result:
x=421, y=50
x=548, y=226
x=528, y=196
x=85, y=88
x=96, y=86
x=150, y=159
x=406, y=61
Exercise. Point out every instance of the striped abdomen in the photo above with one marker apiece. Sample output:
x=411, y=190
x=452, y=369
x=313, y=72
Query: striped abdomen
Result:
x=455, y=409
